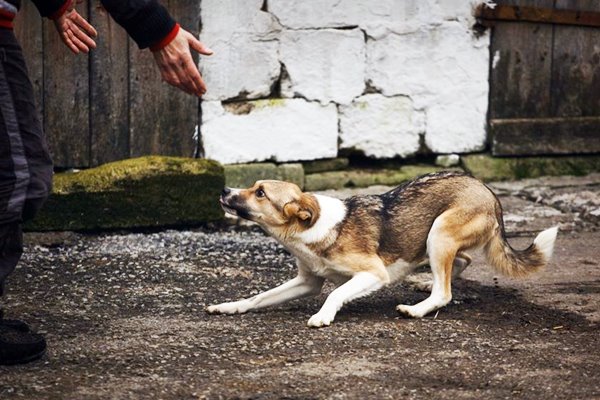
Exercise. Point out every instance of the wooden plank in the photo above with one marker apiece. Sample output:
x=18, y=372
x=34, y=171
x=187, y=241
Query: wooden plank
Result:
x=520, y=67
x=66, y=99
x=576, y=66
x=545, y=136
x=537, y=15
x=162, y=118
x=109, y=115
x=28, y=29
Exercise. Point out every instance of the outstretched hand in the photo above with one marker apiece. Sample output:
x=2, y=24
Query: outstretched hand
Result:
x=177, y=66
x=75, y=31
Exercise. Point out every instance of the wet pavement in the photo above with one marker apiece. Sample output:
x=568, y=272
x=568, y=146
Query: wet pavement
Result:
x=123, y=315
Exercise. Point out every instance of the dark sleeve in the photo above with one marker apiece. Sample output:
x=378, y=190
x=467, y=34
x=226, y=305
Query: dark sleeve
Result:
x=146, y=21
x=51, y=8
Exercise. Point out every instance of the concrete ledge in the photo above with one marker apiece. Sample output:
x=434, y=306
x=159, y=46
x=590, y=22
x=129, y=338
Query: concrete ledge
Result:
x=244, y=175
x=142, y=192
x=488, y=168
x=363, y=178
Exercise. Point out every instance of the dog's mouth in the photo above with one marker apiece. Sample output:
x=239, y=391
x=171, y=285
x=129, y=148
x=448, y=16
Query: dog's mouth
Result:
x=227, y=208
x=236, y=210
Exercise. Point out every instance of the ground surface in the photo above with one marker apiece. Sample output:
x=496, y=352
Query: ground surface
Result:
x=123, y=315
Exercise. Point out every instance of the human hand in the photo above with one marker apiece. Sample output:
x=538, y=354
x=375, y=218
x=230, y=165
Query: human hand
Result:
x=76, y=33
x=177, y=66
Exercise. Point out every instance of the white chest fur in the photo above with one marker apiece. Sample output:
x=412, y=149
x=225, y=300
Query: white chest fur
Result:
x=332, y=212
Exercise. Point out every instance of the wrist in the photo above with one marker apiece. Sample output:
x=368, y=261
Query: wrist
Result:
x=166, y=40
x=61, y=11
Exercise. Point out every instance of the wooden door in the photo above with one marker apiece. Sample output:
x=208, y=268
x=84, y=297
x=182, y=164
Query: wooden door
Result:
x=544, y=77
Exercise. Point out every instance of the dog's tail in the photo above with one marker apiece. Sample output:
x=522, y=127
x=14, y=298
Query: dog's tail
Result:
x=519, y=263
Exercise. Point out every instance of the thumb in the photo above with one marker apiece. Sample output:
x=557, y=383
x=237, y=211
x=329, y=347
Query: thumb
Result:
x=199, y=47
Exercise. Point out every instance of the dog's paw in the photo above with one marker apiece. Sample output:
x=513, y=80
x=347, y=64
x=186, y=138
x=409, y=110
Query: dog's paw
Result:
x=422, y=286
x=420, y=282
x=320, y=320
x=409, y=311
x=234, y=307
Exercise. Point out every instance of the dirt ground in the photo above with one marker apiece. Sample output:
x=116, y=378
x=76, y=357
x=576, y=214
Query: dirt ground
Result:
x=123, y=316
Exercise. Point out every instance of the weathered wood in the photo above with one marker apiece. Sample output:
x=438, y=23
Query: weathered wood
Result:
x=28, y=29
x=109, y=115
x=521, y=63
x=576, y=66
x=537, y=15
x=162, y=118
x=545, y=136
x=66, y=99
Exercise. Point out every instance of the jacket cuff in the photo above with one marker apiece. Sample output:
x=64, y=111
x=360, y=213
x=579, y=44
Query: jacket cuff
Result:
x=52, y=8
x=63, y=9
x=150, y=25
x=166, y=40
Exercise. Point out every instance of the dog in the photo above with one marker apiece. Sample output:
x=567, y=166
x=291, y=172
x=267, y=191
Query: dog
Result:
x=364, y=243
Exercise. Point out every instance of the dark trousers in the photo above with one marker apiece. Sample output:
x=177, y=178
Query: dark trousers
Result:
x=25, y=164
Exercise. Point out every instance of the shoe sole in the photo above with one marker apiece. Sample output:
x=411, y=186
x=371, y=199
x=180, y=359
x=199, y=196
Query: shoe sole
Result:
x=25, y=360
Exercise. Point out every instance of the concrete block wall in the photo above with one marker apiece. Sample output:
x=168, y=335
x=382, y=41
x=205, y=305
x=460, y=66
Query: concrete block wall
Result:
x=296, y=80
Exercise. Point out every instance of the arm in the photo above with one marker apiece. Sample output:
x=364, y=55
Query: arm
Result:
x=146, y=21
x=150, y=25
x=51, y=8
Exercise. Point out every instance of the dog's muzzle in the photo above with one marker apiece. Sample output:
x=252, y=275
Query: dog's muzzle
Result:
x=226, y=200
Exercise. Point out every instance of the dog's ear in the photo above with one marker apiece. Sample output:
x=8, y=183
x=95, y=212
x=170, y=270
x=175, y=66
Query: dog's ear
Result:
x=306, y=209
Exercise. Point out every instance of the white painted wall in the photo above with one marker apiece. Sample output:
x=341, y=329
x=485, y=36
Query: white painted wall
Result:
x=378, y=76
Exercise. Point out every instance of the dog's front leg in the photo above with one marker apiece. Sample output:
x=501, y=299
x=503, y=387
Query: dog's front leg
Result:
x=301, y=286
x=360, y=285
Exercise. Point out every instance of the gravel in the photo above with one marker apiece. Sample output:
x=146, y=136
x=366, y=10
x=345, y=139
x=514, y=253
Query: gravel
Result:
x=123, y=316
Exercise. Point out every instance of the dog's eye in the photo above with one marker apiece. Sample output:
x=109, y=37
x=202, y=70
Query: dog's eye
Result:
x=260, y=193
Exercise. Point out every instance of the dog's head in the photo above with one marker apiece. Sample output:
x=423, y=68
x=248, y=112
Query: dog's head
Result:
x=272, y=204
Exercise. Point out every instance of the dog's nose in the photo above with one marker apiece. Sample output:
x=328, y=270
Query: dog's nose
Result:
x=226, y=191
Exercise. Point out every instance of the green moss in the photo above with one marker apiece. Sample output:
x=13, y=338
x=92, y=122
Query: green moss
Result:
x=490, y=168
x=363, y=178
x=244, y=175
x=331, y=164
x=143, y=192
x=269, y=103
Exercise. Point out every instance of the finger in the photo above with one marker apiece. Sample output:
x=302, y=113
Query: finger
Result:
x=80, y=45
x=185, y=77
x=83, y=36
x=191, y=71
x=69, y=43
x=199, y=46
x=186, y=83
x=85, y=25
x=170, y=76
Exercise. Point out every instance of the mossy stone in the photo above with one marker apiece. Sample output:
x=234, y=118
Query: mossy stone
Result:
x=488, y=168
x=331, y=164
x=244, y=175
x=364, y=177
x=142, y=192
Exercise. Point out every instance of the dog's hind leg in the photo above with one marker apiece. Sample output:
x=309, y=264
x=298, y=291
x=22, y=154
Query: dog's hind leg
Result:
x=301, y=286
x=460, y=263
x=441, y=266
x=424, y=283
x=453, y=230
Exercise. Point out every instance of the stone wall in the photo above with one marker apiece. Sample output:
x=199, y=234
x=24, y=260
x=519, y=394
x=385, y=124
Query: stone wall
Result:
x=305, y=79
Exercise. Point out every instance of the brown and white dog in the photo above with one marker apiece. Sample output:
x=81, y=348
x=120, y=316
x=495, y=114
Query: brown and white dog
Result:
x=366, y=242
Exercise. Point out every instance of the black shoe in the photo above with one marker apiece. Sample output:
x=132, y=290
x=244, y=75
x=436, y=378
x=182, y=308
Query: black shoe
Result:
x=18, y=347
x=13, y=323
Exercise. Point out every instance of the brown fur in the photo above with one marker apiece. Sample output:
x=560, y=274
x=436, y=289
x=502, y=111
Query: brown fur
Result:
x=396, y=224
x=435, y=218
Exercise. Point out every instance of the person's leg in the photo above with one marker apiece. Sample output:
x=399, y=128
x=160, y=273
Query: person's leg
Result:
x=11, y=249
x=25, y=179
